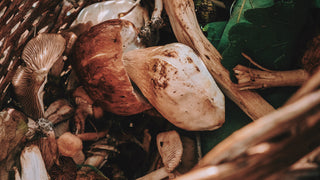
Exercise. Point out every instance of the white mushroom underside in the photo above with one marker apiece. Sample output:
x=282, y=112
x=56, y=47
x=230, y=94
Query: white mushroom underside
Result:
x=102, y=11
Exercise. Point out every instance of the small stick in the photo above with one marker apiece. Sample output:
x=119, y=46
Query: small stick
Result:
x=312, y=84
x=254, y=63
x=249, y=78
x=92, y=136
x=184, y=24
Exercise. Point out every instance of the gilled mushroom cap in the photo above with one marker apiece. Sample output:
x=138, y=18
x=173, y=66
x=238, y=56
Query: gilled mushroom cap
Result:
x=69, y=144
x=97, y=59
x=39, y=55
x=170, y=149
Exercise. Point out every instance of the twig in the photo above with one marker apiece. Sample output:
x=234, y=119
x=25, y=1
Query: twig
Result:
x=92, y=136
x=254, y=152
x=254, y=63
x=312, y=84
x=186, y=29
x=249, y=78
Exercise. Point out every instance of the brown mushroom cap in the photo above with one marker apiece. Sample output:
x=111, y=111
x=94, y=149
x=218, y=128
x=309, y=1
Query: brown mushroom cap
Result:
x=97, y=59
x=69, y=144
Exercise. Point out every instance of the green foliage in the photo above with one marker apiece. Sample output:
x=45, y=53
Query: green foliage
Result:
x=237, y=17
x=316, y=3
x=235, y=119
x=214, y=31
x=267, y=31
x=269, y=37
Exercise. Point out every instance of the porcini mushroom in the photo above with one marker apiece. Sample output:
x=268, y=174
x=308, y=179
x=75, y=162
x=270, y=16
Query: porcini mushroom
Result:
x=70, y=145
x=97, y=59
x=39, y=55
x=177, y=83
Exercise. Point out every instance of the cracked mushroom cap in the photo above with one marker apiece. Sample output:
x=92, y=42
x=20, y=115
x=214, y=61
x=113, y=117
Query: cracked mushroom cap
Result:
x=97, y=59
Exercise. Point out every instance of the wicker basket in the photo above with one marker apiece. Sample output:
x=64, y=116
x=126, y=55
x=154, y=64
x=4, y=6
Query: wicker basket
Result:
x=20, y=20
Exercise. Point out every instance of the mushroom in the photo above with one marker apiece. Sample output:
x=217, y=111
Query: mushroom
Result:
x=70, y=145
x=97, y=60
x=177, y=83
x=32, y=164
x=170, y=148
x=113, y=9
x=39, y=55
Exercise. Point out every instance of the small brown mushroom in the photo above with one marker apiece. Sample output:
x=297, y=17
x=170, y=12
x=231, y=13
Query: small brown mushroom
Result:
x=97, y=59
x=70, y=145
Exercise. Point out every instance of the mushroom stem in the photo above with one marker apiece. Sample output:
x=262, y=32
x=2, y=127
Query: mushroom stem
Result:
x=187, y=30
x=32, y=164
x=157, y=174
x=158, y=7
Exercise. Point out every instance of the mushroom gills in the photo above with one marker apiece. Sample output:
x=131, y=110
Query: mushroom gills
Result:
x=176, y=82
x=39, y=55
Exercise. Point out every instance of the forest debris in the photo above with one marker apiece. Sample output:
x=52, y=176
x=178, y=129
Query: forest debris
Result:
x=309, y=161
x=311, y=56
x=58, y=111
x=249, y=78
x=312, y=84
x=187, y=30
x=92, y=136
x=13, y=128
x=65, y=171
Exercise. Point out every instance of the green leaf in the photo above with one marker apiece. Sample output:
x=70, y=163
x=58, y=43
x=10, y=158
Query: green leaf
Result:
x=234, y=120
x=269, y=37
x=237, y=17
x=214, y=31
x=316, y=3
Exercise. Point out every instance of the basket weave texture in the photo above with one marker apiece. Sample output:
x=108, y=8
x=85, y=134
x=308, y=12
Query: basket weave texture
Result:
x=21, y=20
